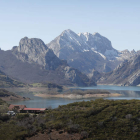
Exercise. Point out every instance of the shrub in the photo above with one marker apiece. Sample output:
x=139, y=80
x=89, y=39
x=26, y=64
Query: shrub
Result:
x=22, y=116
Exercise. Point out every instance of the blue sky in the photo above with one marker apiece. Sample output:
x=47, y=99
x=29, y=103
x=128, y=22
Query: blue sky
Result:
x=118, y=20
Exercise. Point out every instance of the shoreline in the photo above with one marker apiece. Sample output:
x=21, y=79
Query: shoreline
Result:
x=77, y=96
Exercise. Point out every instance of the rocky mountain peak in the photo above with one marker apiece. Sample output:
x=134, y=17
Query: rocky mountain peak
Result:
x=33, y=44
x=34, y=50
x=68, y=32
x=96, y=34
x=31, y=50
x=85, y=36
x=133, y=51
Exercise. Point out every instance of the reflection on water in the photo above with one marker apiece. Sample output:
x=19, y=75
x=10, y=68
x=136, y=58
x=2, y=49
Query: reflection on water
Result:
x=125, y=94
x=128, y=93
x=38, y=102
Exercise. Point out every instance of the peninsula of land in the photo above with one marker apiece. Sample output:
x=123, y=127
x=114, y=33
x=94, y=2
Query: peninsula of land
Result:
x=79, y=94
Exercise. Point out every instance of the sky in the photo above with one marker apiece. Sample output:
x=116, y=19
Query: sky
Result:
x=117, y=20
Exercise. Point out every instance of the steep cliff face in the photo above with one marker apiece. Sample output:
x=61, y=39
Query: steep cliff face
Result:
x=35, y=51
x=32, y=61
x=127, y=73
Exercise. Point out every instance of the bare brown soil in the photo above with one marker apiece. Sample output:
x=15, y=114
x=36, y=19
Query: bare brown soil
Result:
x=56, y=135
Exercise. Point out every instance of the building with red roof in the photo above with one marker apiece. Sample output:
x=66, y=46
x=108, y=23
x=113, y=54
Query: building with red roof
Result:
x=24, y=109
x=33, y=110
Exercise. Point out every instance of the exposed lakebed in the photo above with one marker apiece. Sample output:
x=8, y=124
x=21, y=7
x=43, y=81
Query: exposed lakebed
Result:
x=39, y=102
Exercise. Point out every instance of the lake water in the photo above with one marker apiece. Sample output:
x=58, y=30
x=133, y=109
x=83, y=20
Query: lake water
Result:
x=128, y=93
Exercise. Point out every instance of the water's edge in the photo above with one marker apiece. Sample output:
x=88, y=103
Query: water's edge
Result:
x=127, y=93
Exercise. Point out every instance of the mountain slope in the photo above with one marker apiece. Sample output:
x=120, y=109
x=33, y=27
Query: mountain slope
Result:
x=6, y=81
x=84, y=51
x=88, y=52
x=9, y=96
x=32, y=62
x=127, y=73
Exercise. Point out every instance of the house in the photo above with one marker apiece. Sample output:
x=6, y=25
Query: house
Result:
x=16, y=107
x=33, y=110
x=24, y=109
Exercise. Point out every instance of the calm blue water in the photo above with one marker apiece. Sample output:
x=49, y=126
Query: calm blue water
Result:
x=130, y=88
x=128, y=93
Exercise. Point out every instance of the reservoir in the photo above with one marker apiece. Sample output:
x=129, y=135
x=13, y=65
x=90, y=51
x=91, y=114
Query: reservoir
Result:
x=128, y=93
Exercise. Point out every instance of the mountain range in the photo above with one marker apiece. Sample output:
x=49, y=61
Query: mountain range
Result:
x=87, y=52
x=71, y=59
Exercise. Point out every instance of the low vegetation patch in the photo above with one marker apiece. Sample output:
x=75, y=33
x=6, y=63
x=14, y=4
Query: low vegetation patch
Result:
x=6, y=81
x=47, y=85
x=99, y=120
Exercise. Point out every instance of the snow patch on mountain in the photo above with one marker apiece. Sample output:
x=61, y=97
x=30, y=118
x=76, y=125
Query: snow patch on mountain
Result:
x=72, y=36
x=85, y=50
x=100, y=55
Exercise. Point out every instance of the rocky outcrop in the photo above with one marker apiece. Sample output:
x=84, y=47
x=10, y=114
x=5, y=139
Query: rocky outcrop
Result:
x=95, y=75
x=126, y=74
x=77, y=77
x=35, y=51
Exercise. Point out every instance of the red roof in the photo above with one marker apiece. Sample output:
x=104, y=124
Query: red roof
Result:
x=39, y=109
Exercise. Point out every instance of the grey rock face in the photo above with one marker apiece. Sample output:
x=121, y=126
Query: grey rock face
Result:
x=99, y=44
x=126, y=74
x=95, y=75
x=126, y=54
x=77, y=77
x=35, y=51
